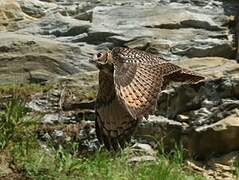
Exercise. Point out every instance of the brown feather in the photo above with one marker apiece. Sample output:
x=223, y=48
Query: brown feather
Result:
x=129, y=89
x=114, y=125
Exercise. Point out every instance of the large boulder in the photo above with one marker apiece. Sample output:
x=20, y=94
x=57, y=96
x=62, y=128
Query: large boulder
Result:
x=200, y=100
x=211, y=67
x=158, y=130
x=56, y=25
x=175, y=29
x=27, y=58
x=219, y=137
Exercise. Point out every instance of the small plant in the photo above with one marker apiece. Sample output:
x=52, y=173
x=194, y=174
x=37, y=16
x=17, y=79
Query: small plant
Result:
x=177, y=154
x=13, y=121
x=64, y=160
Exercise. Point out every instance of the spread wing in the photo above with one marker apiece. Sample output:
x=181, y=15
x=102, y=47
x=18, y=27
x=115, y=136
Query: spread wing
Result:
x=139, y=77
x=114, y=125
x=138, y=85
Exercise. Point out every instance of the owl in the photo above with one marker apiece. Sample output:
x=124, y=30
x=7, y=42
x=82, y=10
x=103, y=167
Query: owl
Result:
x=130, y=82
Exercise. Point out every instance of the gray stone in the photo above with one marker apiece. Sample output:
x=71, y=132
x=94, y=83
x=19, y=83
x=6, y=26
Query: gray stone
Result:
x=190, y=98
x=138, y=159
x=57, y=25
x=35, y=8
x=222, y=83
x=208, y=140
x=158, y=129
x=140, y=148
x=55, y=118
x=27, y=58
x=185, y=30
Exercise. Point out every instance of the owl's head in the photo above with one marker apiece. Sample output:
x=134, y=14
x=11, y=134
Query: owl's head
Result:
x=103, y=60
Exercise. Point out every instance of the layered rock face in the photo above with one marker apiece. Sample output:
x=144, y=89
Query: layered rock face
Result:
x=52, y=41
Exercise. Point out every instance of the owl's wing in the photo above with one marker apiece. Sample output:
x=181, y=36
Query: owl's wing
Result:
x=138, y=85
x=114, y=124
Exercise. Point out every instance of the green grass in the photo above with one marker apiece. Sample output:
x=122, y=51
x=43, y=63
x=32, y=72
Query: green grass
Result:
x=14, y=123
x=60, y=164
x=35, y=161
x=22, y=90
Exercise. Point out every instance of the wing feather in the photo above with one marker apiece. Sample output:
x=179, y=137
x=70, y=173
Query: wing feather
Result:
x=140, y=93
x=139, y=77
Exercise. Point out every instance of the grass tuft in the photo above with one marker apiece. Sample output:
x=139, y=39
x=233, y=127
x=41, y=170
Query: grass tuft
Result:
x=22, y=90
x=14, y=122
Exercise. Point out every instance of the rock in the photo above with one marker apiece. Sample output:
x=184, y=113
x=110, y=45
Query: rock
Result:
x=79, y=10
x=220, y=93
x=57, y=25
x=35, y=8
x=68, y=104
x=146, y=149
x=59, y=137
x=82, y=133
x=46, y=102
x=85, y=16
x=11, y=16
x=140, y=153
x=211, y=67
x=227, y=159
x=220, y=137
x=140, y=159
x=56, y=118
x=216, y=168
x=158, y=129
x=222, y=83
x=209, y=109
x=196, y=166
x=182, y=118
x=174, y=29
x=7, y=168
x=27, y=58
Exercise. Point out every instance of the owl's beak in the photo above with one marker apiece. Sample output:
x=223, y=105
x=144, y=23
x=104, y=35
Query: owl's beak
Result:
x=97, y=63
x=92, y=61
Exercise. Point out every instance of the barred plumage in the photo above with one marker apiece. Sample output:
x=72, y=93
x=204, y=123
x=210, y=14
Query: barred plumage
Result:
x=129, y=84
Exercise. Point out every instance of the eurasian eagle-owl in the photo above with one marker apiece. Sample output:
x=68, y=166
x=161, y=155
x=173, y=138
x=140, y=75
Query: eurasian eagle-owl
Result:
x=130, y=81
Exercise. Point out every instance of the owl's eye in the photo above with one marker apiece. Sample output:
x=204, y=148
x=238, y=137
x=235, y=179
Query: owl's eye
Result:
x=99, y=55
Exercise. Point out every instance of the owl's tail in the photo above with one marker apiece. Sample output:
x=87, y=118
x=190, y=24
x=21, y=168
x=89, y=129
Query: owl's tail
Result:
x=184, y=75
x=188, y=76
